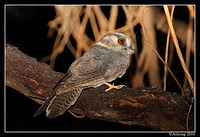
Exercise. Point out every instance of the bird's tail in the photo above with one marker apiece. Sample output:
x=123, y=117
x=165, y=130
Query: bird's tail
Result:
x=57, y=104
x=44, y=105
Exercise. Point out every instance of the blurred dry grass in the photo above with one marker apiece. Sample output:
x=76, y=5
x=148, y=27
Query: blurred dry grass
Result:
x=68, y=23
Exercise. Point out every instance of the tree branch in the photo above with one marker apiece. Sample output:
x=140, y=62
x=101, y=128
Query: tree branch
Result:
x=150, y=107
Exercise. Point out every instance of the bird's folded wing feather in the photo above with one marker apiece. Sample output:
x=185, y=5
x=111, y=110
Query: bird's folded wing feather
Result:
x=86, y=73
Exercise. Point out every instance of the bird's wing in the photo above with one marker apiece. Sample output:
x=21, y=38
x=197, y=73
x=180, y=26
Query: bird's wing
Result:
x=67, y=75
x=86, y=73
x=69, y=72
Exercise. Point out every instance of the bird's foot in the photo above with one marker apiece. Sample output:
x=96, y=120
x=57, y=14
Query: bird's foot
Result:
x=111, y=86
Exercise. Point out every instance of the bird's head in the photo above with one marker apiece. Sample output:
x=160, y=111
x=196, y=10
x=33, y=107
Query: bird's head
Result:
x=118, y=42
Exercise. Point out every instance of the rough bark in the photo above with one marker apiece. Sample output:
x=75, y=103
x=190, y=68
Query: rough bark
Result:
x=150, y=107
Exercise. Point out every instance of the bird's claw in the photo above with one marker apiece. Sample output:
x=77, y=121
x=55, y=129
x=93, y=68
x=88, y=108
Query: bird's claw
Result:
x=111, y=86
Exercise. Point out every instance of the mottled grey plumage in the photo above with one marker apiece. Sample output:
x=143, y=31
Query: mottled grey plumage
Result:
x=105, y=62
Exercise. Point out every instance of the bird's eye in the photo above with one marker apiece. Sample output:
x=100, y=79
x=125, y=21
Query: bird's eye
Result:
x=121, y=41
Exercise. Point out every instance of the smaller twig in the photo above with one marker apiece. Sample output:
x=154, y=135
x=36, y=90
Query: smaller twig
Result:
x=80, y=41
x=188, y=47
x=94, y=26
x=166, y=51
x=56, y=43
x=171, y=56
x=113, y=17
x=102, y=20
x=71, y=48
x=45, y=59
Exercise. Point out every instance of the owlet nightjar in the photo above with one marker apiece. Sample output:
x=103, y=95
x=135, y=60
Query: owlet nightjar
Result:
x=106, y=61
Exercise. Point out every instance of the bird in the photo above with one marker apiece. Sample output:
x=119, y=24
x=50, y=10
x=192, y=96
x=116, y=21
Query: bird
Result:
x=106, y=61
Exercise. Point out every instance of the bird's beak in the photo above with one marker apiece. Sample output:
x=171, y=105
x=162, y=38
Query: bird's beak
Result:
x=132, y=47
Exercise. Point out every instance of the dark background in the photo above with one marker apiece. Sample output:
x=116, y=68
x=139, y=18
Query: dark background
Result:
x=26, y=28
